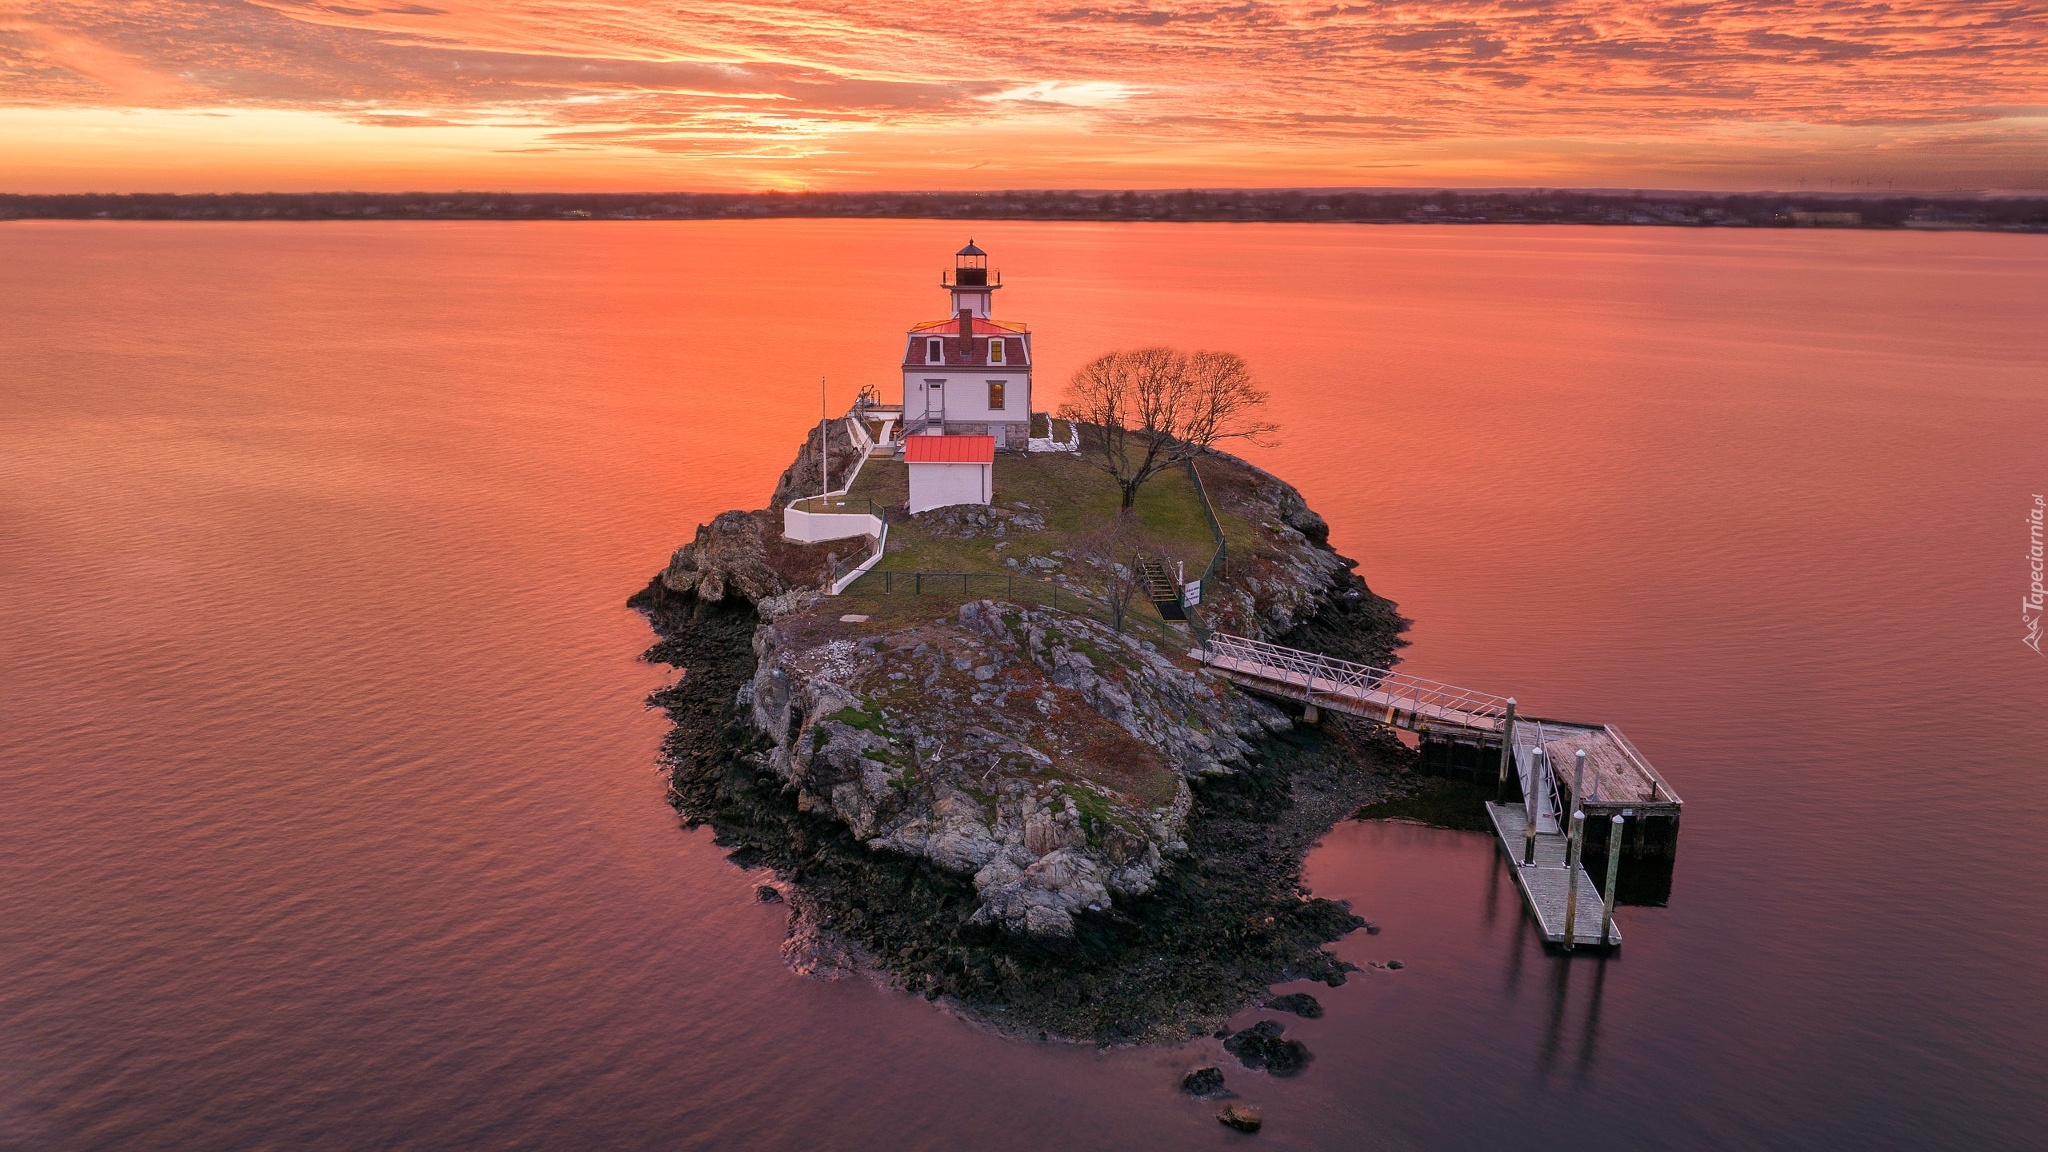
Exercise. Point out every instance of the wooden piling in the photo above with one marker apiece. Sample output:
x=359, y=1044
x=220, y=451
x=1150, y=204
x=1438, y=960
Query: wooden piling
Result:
x=1507, y=749
x=1533, y=802
x=1613, y=869
x=1574, y=842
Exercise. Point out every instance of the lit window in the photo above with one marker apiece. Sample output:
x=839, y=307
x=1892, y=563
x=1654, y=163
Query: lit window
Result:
x=995, y=395
x=934, y=352
x=995, y=351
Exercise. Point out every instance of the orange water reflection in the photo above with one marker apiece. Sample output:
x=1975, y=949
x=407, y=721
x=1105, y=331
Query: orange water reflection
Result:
x=333, y=817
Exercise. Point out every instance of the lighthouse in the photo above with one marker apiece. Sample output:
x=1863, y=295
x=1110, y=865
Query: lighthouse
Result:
x=969, y=374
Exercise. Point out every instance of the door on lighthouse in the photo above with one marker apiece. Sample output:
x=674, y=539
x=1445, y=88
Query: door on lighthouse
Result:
x=935, y=405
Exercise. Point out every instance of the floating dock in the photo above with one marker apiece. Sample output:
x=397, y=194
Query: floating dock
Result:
x=1557, y=767
x=1546, y=884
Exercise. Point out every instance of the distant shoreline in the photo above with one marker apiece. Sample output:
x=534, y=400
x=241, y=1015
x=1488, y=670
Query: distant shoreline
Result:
x=1895, y=212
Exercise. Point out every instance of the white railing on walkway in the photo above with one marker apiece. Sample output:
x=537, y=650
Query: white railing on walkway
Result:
x=1046, y=443
x=1314, y=672
x=805, y=526
x=859, y=435
x=835, y=587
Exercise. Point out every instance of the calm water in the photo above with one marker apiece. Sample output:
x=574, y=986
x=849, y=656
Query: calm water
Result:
x=331, y=818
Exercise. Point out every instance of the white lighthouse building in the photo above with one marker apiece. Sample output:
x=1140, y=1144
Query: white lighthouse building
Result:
x=969, y=374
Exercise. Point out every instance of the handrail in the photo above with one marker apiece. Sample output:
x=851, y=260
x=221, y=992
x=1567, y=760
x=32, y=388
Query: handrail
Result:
x=825, y=457
x=1216, y=560
x=818, y=508
x=840, y=577
x=1483, y=711
x=1050, y=441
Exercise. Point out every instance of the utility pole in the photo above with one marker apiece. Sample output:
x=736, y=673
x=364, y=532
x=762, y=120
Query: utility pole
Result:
x=824, y=456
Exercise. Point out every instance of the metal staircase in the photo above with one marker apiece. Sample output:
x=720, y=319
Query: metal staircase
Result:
x=1160, y=589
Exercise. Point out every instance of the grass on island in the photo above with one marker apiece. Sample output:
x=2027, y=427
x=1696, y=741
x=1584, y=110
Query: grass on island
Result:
x=1075, y=498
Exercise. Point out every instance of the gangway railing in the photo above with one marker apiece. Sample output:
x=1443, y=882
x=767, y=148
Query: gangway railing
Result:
x=1438, y=704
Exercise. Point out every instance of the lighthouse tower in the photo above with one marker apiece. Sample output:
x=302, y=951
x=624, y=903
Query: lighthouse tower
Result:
x=970, y=283
x=969, y=374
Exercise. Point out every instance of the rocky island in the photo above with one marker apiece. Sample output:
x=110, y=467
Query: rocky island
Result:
x=1007, y=787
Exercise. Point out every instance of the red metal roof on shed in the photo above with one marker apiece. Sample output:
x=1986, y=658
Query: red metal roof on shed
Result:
x=949, y=450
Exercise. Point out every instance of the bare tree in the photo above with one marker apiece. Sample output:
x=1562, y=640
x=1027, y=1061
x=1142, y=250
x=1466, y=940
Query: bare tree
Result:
x=1153, y=408
x=1112, y=550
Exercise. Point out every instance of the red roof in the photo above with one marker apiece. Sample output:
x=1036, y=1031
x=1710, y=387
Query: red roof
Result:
x=949, y=450
x=977, y=354
x=978, y=326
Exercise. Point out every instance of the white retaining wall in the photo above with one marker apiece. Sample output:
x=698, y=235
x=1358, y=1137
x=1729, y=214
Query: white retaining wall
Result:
x=815, y=527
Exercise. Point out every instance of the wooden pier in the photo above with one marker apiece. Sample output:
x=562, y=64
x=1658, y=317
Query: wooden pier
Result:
x=1556, y=767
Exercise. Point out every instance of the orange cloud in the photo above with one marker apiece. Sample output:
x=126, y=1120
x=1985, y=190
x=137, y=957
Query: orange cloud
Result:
x=827, y=93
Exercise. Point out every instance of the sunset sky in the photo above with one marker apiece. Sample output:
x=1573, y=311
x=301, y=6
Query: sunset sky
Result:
x=221, y=95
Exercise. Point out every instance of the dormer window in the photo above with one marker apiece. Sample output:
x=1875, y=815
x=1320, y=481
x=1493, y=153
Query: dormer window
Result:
x=934, y=352
x=995, y=351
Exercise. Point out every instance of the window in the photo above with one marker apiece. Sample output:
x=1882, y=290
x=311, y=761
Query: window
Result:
x=934, y=352
x=995, y=395
x=995, y=351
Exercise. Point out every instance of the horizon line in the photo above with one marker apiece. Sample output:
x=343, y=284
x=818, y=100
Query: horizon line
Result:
x=1321, y=189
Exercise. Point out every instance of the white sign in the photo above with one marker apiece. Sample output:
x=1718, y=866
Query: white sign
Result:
x=1191, y=593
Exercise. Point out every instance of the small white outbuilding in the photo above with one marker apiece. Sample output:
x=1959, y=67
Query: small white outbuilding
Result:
x=947, y=470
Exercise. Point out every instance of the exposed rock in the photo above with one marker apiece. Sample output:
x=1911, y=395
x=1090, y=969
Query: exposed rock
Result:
x=1242, y=1117
x=1300, y=1003
x=1203, y=1082
x=972, y=521
x=1261, y=1047
x=1055, y=826
x=767, y=894
x=801, y=478
x=1224, y=917
x=1396, y=965
x=1043, y=755
x=729, y=555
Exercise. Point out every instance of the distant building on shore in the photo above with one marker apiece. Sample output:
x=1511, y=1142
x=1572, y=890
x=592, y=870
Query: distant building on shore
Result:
x=969, y=374
x=1807, y=219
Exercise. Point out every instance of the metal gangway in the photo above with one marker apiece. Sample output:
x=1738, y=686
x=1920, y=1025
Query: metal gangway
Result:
x=1378, y=694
